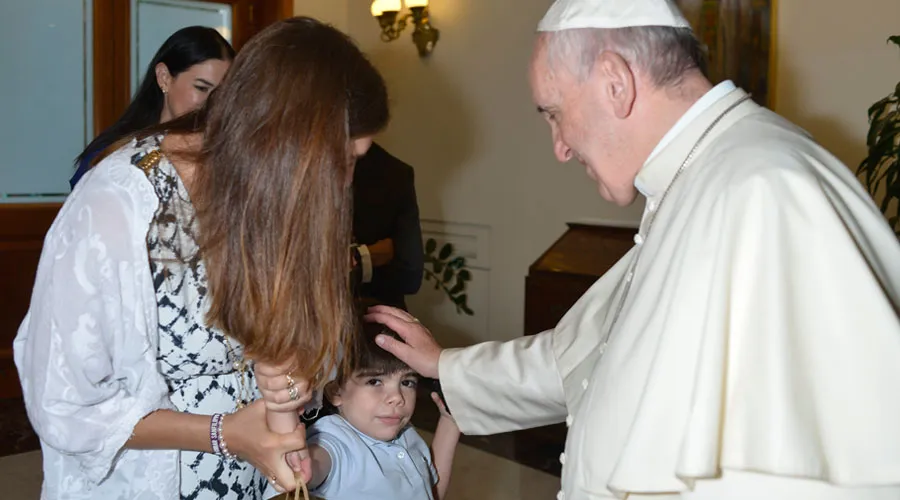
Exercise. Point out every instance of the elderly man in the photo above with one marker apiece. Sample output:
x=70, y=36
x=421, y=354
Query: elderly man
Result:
x=748, y=346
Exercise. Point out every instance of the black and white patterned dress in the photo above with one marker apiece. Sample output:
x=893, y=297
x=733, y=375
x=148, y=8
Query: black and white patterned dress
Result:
x=198, y=362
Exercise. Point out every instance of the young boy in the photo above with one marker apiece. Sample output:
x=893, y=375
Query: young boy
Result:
x=368, y=449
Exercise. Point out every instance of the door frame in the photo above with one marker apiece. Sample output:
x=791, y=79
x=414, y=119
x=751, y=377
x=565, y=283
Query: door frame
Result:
x=112, y=47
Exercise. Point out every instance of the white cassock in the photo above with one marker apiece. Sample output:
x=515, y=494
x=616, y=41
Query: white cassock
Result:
x=757, y=353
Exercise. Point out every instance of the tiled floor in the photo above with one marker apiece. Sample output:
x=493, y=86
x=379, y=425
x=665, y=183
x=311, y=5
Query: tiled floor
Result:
x=477, y=475
x=21, y=475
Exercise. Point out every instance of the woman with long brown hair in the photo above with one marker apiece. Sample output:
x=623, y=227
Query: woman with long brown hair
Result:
x=203, y=255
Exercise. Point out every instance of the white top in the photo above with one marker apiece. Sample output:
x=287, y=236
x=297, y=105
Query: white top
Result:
x=116, y=329
x=86, y=357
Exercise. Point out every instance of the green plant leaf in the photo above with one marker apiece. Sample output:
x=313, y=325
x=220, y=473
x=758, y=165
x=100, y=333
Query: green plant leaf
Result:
x=877, y=109
x=458, y=287
x=438, y=266
x=446, y=251
x=465, y=275
x=448, y=275
x=430, y=246
x=457, y=263
x=894, y=39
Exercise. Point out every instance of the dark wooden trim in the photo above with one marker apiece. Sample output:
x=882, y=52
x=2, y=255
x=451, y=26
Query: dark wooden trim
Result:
x=266, y=12
x=112, y=47
x=249, y=17
x=22, y=230
x=111, y=61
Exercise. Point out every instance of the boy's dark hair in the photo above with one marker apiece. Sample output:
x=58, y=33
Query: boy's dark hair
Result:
x=365, y=355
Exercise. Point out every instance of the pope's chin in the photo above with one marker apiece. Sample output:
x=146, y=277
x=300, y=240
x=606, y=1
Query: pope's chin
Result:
x=621, y=198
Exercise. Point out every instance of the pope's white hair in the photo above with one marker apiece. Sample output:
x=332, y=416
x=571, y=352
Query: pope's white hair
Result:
x=663, y=53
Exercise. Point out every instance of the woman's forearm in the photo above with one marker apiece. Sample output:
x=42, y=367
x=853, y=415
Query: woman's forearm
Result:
x=172, y=430
x=282, y=422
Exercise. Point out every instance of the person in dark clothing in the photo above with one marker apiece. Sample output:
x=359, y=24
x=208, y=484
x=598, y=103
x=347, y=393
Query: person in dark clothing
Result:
x=388, y=252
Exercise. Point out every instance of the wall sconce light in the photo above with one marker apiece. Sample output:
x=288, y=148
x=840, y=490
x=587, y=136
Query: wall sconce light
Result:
x=392, y=24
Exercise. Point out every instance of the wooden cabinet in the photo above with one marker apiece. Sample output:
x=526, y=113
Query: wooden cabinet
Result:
x=556, y=280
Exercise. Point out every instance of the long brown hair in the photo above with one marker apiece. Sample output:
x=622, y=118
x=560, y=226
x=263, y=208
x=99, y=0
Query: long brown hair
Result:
x=272, y=191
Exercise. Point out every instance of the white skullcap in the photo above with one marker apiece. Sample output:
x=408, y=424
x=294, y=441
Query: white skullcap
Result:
x=572, y=14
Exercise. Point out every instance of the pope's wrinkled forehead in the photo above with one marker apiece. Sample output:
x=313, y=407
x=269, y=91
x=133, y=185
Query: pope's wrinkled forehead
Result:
x=541, y=77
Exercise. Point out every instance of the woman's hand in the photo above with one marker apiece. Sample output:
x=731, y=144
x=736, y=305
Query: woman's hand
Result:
x=280, y=389
x=249, y=438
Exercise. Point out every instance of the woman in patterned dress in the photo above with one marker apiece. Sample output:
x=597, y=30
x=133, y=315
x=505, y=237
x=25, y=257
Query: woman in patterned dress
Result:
x=196, y=247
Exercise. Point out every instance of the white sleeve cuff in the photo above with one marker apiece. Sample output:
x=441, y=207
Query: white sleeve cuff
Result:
x=366, y=263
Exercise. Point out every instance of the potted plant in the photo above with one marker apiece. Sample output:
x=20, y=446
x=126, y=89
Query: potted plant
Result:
x=880, y=170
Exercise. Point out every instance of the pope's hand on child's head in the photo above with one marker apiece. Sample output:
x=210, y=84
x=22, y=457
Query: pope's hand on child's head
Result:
x=418, y=349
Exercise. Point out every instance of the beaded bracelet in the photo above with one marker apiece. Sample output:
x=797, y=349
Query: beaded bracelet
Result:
x=215, y=430
x=216, y=438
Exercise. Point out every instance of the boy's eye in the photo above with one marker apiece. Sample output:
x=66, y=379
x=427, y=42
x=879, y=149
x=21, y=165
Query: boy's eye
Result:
x=410, y=383
x=373, y=381
x=202, y=89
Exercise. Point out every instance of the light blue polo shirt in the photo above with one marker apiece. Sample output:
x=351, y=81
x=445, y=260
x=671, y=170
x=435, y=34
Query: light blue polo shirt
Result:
x=364, y=468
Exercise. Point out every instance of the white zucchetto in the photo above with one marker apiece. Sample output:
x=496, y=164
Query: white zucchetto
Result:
x=572, y=14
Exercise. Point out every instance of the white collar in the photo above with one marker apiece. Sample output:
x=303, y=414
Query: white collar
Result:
x=707, y=101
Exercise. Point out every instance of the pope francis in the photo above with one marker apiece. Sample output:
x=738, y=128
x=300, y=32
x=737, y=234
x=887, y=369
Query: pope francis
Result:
x=748, y=346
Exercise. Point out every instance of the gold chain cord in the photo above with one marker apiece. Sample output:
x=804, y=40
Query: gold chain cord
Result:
x=301, y=485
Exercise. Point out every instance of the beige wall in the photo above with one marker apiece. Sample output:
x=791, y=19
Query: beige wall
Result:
x=833, y=63
x=464, y=120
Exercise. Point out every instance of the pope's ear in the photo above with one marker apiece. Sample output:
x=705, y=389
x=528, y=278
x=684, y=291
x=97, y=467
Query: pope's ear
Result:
x=613, y=75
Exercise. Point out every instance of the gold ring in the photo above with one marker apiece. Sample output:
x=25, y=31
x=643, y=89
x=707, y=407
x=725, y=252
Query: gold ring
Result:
x=294, y=393
x=414, y=320
x=290, y=380
x=273, y=480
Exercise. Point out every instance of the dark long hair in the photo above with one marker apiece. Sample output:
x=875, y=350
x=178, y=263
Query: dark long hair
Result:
x=271, y=188
x=185, y=48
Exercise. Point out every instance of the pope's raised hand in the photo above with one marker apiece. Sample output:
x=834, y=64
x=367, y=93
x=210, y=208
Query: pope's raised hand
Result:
x=419, y=350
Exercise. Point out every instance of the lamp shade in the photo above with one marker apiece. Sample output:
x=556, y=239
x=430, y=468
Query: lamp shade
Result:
x=416, y=3
x=376, y=8
x=390, y=5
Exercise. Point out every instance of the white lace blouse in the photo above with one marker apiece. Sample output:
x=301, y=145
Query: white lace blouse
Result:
x=87, y=350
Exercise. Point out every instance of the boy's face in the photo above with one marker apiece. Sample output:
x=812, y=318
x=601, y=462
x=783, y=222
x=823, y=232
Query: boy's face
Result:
x=380, y=405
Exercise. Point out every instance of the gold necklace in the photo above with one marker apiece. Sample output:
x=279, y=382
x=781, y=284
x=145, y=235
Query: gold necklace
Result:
x=147, y=163
x=244, y=396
